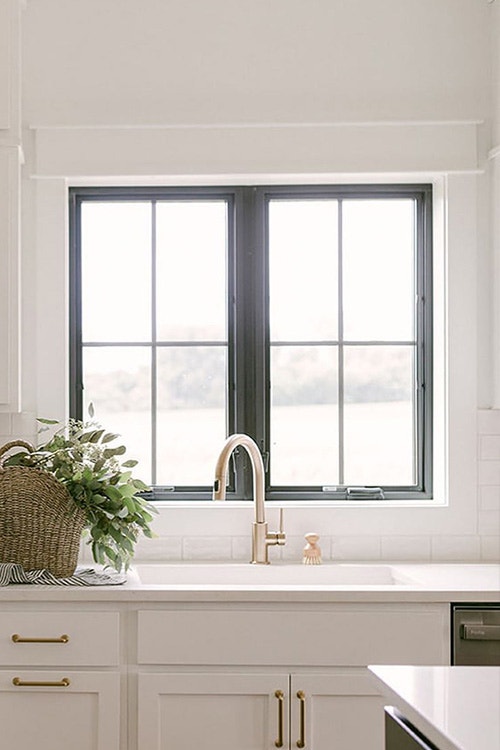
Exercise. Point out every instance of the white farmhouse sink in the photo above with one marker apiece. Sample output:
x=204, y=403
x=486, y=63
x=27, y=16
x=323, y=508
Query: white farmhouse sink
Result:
x=245, y=574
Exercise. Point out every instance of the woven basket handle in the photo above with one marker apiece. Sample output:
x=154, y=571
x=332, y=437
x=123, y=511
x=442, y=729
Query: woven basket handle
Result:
x=13, y=443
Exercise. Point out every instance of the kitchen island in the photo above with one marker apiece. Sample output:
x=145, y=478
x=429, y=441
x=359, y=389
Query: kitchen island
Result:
x=453, y=708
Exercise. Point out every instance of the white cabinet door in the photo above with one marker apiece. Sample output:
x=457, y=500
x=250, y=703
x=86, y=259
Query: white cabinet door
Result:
x=9, y=279
x=212, y=711
x=336, y=711
x=6, y=72
x=84, y=715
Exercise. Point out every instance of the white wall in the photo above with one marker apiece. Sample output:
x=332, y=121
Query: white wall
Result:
x=156, y=62
x=313, y=90
x=494, y=171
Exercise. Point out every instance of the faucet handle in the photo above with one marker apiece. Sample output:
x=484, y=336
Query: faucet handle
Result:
x=275, y=537
x=280, y=535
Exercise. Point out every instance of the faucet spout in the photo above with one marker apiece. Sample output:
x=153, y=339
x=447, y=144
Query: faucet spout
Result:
x=219, y=492
x=261, y=538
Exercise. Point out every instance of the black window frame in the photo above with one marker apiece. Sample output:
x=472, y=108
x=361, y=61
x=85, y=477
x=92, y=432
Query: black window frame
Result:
x=248, y=398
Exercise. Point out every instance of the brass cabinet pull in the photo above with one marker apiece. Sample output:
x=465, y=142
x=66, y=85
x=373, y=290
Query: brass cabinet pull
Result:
x=279, y=695
x=30, y=683
x=301, y=742
x=19, y=639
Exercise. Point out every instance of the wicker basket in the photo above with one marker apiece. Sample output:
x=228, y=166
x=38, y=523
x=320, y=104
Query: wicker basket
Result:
x=40, y=524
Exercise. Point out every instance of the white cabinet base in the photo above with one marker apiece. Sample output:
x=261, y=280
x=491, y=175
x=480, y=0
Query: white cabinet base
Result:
x=83, y=716
x=223, y=711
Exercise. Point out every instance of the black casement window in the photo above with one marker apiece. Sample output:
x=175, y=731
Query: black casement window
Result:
x=301, y=315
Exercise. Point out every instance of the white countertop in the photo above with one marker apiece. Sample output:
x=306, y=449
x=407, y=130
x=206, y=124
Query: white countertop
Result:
x=236, y=582
x=456, y=708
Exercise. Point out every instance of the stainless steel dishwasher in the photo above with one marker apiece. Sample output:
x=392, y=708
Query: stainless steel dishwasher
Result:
x=476, y=634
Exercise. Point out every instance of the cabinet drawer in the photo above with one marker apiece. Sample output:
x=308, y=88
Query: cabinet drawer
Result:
x=59, y=638
x=378, y=635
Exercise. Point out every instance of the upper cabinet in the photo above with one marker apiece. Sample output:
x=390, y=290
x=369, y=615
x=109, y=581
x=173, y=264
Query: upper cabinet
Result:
x=9, y=279
x=5, y=65
x=10, y=66
x=10, y=161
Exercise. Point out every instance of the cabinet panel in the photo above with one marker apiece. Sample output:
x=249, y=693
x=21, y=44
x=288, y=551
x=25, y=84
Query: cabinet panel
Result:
x=81, y=716
x=5, y=64
x=101, y=649
x=343, y=637
x=340, y=710
x=223, y=711
x=9, y=279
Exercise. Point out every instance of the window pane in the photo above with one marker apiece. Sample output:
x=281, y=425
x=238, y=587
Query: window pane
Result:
x=116, y=271
x=191, y=413
x=173, y=302
x=191, y=271
x=379, y=415
x=303, y=270
x=304, y=415
x=378, y=270
x=117, y=380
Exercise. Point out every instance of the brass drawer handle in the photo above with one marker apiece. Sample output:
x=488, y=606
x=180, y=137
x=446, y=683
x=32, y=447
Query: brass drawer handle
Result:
x=19, y=639
x=301, y=742
x=279, y=695
x=30, y=683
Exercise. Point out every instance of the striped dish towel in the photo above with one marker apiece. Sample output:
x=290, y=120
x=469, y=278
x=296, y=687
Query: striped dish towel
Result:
x=13, y=573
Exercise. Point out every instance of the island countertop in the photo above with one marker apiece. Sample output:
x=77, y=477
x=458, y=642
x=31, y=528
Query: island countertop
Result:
x=456, y=708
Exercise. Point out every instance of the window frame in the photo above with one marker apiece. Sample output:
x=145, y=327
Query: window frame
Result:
x=248, y=321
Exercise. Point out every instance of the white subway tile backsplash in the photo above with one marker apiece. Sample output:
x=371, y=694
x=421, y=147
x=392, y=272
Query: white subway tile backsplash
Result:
x=488, y=421
x=490, y=549
x=489, y=497
x=203, y=519
x=489, y=522
x=293, y=550
x=207, y=548
x=356, y=548
x=158, y=550
x=406, y=548
x=456, y=548
x=489, y=447
x=488, y=472
x=241, y=547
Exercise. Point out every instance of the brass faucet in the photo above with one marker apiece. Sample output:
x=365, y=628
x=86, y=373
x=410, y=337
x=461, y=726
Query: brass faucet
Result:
x=261, y=537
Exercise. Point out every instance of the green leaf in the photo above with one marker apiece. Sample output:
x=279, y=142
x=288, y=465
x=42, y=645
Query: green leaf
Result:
x=129, y=504
x=109, y=436
x=98, y=498
x=113, y=493
x=47, y=421
x=111, y=452
x=139, y=485
x=130, y=463
x=91, y=410
x=96, y=436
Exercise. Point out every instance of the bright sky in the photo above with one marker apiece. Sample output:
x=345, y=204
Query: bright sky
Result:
x=191, y=287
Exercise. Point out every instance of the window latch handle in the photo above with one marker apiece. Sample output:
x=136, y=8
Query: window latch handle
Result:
x=365, y=493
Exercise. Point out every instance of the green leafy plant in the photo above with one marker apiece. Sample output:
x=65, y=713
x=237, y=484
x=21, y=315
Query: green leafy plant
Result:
x=81, y=456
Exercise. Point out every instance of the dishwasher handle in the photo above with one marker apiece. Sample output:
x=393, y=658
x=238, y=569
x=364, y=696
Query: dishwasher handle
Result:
x=480, y=632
